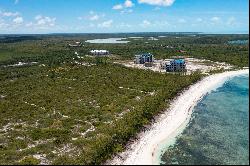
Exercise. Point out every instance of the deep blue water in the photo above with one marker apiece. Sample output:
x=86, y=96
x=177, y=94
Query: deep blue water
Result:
x=218, y=131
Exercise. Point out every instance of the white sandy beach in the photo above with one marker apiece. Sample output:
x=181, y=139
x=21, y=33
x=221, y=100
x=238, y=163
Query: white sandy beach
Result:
x=147, y=149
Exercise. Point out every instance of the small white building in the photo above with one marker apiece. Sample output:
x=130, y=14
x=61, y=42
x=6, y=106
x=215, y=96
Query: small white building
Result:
x=99, y=52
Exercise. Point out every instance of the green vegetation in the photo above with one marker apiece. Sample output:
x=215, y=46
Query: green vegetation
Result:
x=54, y=105
x=82, y=110
x=55, y=49
x=29, y=161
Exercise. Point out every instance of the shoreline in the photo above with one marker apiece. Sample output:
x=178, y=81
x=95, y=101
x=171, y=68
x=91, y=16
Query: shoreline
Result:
x=146, y=150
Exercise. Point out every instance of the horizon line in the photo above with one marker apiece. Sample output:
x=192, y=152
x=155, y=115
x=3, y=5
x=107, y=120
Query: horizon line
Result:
x=181, y=32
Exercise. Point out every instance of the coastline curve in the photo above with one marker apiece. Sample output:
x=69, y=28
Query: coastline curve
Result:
x=149, y=146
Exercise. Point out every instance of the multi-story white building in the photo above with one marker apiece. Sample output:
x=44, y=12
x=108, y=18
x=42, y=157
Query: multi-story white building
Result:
x=143, y=58
x=99, y=52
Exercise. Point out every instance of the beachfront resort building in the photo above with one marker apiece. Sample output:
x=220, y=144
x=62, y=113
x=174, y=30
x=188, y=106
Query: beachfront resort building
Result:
x=144, y=58
x=99, y=52
x=176, y=65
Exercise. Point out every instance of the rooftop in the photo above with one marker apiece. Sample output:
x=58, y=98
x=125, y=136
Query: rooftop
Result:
x=98, y=51
x=144, y=54
x=178, y=61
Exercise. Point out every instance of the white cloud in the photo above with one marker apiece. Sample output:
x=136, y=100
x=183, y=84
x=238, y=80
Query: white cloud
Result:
x=45, y=21
x=91, y=25
x=10, y=14
x=158, y=2
x=29, y=24
x=155, y=24
x=128, y=4
x=79, y=18
x=199, y=19
x=231, y=21
x=18, y=23
x=157, y=8
x=161, y=24
x=126, y=11
x=3, y=24
x=106, y=24
x=1, y=20
x=124, y=25
x=18, y=20
x=117, y=7
x=215, y=19
x=94, y=17
x=42, y=22
x=146, y=23
x=182, y=20
x=38, y=17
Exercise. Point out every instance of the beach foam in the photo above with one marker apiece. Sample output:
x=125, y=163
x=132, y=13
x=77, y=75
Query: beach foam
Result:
x=147, y=149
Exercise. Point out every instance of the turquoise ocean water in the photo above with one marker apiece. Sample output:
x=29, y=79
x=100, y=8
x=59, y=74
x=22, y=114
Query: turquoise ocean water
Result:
x=218, y=131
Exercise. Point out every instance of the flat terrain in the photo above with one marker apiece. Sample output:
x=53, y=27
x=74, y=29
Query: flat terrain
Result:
x=60, y=108
x=192, y=65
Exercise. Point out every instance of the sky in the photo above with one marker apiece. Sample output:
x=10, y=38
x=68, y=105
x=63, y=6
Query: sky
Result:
x=113, y=16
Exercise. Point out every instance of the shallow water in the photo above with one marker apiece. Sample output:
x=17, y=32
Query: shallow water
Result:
x=218, y=131
x=238, y=42
x=109, y=40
